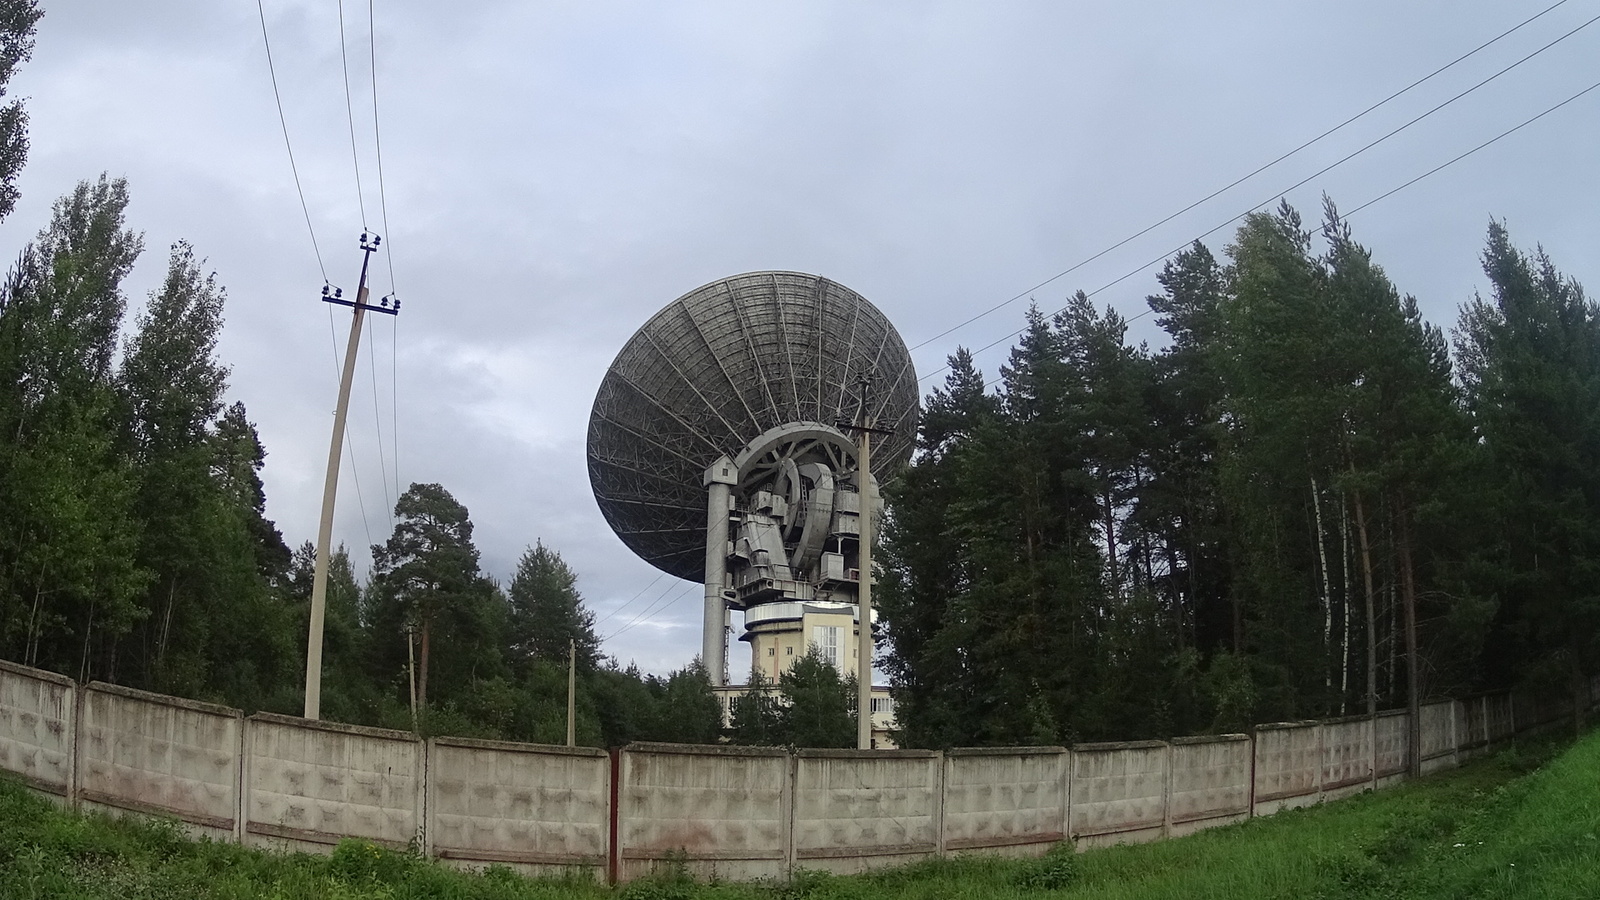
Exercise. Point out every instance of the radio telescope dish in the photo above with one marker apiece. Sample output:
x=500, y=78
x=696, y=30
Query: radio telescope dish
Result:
x=722, y=366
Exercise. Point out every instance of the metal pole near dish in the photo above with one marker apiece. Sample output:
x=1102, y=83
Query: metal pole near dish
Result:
x=718, y=481
x=864, y=648
x=330, y=485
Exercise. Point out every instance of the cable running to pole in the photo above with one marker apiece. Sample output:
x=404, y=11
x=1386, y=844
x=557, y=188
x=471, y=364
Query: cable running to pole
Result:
x=350, y=117
x=1257, y=171
x=284, y=122
x=1504, y=134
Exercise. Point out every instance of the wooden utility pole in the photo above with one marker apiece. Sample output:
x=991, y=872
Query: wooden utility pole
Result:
x=572, y=692
x=330, y=484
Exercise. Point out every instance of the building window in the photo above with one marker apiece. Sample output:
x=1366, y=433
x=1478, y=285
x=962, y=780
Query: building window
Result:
x=788, y=651
x=771, y=651
x=826, y=637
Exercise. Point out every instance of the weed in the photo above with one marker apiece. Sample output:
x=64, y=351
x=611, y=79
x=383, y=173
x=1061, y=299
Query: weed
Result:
x=1057, y=869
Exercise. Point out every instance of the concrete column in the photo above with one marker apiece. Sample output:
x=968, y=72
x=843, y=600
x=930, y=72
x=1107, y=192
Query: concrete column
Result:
x=718, y=481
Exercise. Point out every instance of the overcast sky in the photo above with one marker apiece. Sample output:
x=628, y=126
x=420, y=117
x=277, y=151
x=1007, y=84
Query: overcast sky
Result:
x=555, y=173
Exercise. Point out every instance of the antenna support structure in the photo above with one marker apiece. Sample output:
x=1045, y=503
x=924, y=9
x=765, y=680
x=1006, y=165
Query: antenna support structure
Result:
x=721, y=452
x=330, y=485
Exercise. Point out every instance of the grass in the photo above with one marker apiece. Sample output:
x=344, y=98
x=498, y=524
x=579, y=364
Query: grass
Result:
x=1522, y=823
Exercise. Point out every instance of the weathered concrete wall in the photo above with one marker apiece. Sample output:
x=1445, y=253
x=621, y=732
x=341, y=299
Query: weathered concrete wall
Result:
x=725, y=810
x=1497, y=710
x=542, y=810
x=37, y=716
x=1210, y=782
x=856, y=810
x=1006, y=800
x=732, y=813
x=1288, y=766
x=1346, y=757
x=1438, y=736
x=1393, y=742
x=150, y=753
x=1118, y=792
x=308, y=784
x=1472, y=726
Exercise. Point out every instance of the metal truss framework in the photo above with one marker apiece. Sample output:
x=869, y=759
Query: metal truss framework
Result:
x=717, y=368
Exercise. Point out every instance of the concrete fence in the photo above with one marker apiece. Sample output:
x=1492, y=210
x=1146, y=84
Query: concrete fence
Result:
x=735, y=813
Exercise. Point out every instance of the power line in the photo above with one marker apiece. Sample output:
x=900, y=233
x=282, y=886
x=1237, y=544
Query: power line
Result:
x=659, y=576
x=660, y=604
x=1235, y=183
x=1444, y=165
x=350, y=116
x=377, y=139
x=349, y=445
x=383, y=211
x=271, y=70
x=377, y=424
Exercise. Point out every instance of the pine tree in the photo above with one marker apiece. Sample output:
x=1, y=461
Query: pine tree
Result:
x=757, y=715
x=1530, y=368
x=426, y=577
x=818, y=707
x=547, y=615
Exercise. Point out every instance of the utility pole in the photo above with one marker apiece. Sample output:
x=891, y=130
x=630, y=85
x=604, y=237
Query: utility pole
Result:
x=864, y=429
x=572, y=692
x=330, y=485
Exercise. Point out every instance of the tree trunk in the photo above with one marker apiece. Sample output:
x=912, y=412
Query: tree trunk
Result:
x=88, y=634
x=1408, y=597
x=1111, y=544
x=1327, y=589
x=1372, y=613
x=31, y=648
x=1344, y=562
x=422, y=668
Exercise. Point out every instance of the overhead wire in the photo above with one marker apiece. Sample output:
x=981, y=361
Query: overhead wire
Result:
x=661, y=603
x=1301, y=183
x=350, y=116
x=283, y=121
x=659, y=576
x=349, y=444
x=1444, y=165
x=1262, y=168
x=394, y=289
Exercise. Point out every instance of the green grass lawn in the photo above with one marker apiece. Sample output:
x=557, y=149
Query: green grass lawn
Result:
x=1522, y=823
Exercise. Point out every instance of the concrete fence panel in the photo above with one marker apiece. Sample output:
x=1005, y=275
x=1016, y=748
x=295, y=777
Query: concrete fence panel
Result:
x=37, y=725
x=1497, y=715
x=1119, y=792
x=1288, y=766
x=1438, y=736
x=1346, y=756
x=1472, y=726
x=724, y=810
x=1210, y=782
x=159, y=755
x=309, y=784
x=1393, y=740
x=542, y=810
x=1006, y=800
x=856, y=810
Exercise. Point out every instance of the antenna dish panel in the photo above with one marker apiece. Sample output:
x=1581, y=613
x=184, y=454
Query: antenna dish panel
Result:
x=720, y=367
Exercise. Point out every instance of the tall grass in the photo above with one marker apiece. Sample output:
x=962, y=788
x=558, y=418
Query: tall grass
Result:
x=1524, y=823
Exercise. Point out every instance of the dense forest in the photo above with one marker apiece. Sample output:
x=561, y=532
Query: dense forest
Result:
x=1309, y=501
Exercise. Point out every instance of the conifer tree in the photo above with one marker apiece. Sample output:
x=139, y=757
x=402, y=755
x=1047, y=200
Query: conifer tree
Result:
x=547, y=615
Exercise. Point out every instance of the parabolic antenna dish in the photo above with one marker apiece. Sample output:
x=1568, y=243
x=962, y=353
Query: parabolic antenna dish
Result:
x=720, y=367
